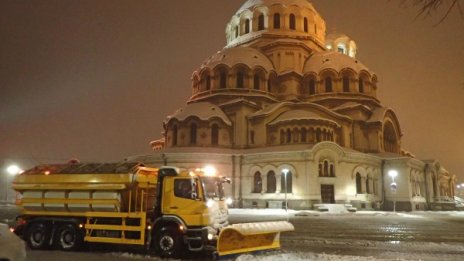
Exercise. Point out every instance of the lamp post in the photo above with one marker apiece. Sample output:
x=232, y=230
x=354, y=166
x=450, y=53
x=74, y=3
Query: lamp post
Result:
x=12, y=170
x=393, y=186
x=285, y=171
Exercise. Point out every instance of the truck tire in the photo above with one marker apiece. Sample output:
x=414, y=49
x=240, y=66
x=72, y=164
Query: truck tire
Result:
x=68, y=237
x=38, y=235
x=168, y=243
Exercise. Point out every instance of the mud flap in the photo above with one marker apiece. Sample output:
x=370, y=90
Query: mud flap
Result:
x=250, y=237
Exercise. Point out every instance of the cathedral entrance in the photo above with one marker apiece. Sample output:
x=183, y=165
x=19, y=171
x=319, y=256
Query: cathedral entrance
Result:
x=327, y=194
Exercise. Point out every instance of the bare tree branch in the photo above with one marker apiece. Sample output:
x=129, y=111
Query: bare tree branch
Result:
x=428, y=8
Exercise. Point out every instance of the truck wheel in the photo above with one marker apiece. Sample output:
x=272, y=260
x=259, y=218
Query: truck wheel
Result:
x=38, y=235
x=68, y=237
x=168, y=243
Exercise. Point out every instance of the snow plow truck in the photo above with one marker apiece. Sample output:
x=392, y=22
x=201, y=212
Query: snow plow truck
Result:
x=167, y=210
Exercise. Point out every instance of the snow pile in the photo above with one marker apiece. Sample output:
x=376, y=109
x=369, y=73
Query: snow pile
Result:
x=301, y=256
x=275, y=256
x=333, y=208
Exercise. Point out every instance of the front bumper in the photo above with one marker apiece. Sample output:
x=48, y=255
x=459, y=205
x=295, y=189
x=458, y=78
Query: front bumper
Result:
x=197, y=239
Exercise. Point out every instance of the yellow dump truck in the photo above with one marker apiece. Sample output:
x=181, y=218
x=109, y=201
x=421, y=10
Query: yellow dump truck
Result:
x=167, y=210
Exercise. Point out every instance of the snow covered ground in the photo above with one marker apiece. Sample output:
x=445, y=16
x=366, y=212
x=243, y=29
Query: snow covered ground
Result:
x=326, y=236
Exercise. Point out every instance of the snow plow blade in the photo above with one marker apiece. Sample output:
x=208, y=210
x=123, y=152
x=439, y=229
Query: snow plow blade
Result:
x=250, y=237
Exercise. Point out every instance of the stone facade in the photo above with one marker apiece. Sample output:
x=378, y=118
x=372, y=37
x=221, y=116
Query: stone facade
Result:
x=282, y=97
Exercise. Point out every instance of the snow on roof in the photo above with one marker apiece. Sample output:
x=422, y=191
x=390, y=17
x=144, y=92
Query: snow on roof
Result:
x=351, y=105
x=378, y=114
x=333, y=60
x=202, y=110
x=269, y=109
x=239, y=100
x=292, y=115
x=238, y=55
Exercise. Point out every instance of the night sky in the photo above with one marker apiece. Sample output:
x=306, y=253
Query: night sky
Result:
x=94, y=80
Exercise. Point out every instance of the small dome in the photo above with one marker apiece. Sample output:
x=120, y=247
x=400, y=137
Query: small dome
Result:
x=341, y=43
x=265, y=20
x=203, y=110
x=251, y=3
x=238, y=55
x=333, y=60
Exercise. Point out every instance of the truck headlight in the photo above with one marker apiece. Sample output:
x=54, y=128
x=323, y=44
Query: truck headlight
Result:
x=210, y=236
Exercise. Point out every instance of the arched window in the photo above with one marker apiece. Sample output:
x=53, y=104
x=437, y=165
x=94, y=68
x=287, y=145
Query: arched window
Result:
x=289, y=182
x=318, y=135
x=282, y=136
x=289, y=136
x=328, y=84
x=256, y=81
x=332, y=170
x=346, y=84
x=174, y=135
x=214, y=134
x=341, y=48
x=247, y=26
x=269, y=85
x=326, y=168
x=193, y=134
x=276, y=21
x=208, y=82
x=390, y=141
x=260, y=22
x=240, y=79
x=358, y=184
x=292, y=22
x=223, y=80
x=303, y=135
x=361, y=85
x=236, y=31
x=271, y=182
x=368, y=189
x=305, y=24
x=312, y=87
x=257, y=183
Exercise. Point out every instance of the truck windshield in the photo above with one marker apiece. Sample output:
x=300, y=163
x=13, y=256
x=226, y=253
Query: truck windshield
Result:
x=213, y=187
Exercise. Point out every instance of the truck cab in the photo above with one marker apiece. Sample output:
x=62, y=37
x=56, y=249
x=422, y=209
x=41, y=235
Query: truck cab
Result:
x=189, y=211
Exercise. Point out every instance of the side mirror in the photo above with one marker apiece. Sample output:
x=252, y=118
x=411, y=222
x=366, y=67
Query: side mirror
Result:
x=193, y=195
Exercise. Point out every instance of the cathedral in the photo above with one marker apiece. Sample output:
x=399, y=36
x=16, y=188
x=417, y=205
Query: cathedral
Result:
x=292, y=117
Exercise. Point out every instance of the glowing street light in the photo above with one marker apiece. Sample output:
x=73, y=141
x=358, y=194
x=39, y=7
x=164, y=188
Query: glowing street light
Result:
x=393, y=186
x=210, y=171
x=285, y=171
x=393, y=174
x=14, y=170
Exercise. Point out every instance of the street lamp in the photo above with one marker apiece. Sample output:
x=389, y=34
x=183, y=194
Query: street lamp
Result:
x=393, y=186
x=12, y=170
x=285, y=171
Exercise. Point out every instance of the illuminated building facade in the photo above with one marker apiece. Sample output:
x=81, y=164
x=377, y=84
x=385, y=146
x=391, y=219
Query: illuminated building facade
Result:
x=282, y=96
